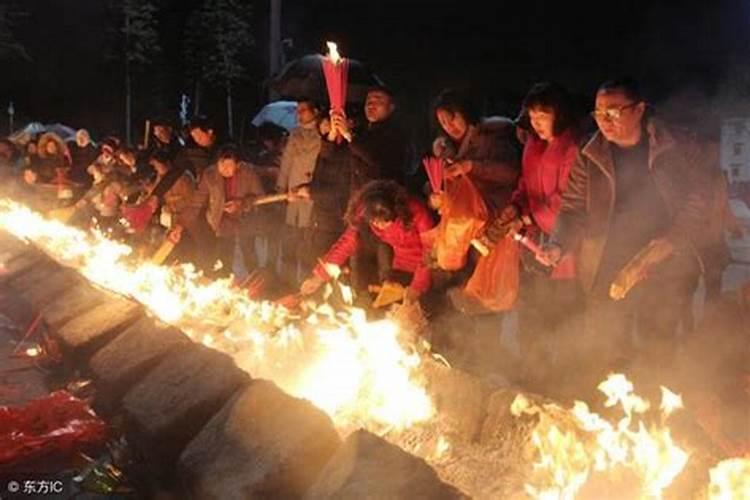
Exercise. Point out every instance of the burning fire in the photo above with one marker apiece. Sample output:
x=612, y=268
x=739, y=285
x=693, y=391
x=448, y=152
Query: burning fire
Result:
x=567, y=459
x=333, y=52
x=354, y=370
x=730, y=480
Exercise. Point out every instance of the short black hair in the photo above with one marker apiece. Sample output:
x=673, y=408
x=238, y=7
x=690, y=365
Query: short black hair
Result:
x=162, y=121
x=269, y=131
x=552, y=96
x=455, y=101
x=162, y=156
x=229, y=152
x=202, y=122
x=313, y=103
x=382, y=88
x=627, y=85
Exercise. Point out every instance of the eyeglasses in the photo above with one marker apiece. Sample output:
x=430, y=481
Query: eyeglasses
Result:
x=611, y=114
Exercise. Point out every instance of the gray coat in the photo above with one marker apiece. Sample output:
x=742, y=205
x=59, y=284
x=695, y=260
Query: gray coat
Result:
x=297, y=167
x=210, y=194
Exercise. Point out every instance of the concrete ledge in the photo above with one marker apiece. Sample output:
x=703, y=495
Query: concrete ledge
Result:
x=95, y=326
x=172, y=403
x=367, y=466
x=263, y=444
x=131, y=356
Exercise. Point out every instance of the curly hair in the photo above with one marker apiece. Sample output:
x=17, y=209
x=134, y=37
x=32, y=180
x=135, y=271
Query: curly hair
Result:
x=380, y=199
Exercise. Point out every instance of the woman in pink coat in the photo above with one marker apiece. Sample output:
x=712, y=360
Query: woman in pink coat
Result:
x=549, y=297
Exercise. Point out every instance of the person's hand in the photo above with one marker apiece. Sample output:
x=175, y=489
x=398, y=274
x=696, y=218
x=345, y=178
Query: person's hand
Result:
x=509, y=213
x=458, y=168
x=175, y=234
x=341, y=125
x=311, y=285
x=410, y=296
x=300, y=193
x=436, y=200
x=81, y=203
x=29, y=176
x=550, y=255
x=327, y=130
x=233, y=207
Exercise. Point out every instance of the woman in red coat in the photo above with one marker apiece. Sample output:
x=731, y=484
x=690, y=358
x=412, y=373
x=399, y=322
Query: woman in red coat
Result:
x=550, y=300
x=383, y=210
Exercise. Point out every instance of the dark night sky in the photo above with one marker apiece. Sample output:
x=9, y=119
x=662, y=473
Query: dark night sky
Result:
x=417, y=47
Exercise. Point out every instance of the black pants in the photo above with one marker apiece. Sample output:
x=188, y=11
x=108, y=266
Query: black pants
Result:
x=222, y=249
x=295, y=253
x=373, y=262
x=653, y=310
x=549, y=313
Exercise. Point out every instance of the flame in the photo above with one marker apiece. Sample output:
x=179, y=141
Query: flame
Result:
x=33, y=352
x=333, y=52
x=354, y=370
x=568, y=458
x=730, y=480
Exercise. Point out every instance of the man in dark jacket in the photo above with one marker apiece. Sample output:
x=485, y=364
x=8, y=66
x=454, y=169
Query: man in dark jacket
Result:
x=635, y=189
x=382, y=149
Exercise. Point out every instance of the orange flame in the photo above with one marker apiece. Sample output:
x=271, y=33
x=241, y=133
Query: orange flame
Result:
x=355, y=370
x=333, y=52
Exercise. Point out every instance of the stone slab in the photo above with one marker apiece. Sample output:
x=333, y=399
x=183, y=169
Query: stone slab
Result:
x=263, y=444
x=367, y=466
x=89, y=329
x=172, y=403
x=131, y=356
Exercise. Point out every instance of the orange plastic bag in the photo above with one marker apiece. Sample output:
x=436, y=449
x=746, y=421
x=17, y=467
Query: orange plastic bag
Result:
x=495, y=280
x=463, y=215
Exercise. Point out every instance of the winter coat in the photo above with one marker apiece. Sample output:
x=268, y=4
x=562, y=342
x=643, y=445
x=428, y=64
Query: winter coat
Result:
x=110, y=193
x=178, y=197
x=381, y=151
x=211, y=195
x=331, y=187
x=409, y=250
x=195, y=160
x=297, y=167
x=544, y=177
x=82, y=158
x=494, y=150
x=679, y=174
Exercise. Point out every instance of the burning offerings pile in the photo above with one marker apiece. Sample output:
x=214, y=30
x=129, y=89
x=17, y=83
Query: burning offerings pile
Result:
x=363, y=374
x=356, y=371
x=567, y=459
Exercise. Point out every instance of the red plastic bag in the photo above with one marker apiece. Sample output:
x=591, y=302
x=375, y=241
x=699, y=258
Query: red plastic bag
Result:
x=463, y=215
x=57, y=425
x=495, y=280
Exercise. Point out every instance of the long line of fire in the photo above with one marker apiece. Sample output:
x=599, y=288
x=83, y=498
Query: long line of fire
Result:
x=361, y=373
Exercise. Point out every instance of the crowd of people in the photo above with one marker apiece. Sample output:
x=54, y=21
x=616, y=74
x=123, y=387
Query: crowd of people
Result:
x=595, y=225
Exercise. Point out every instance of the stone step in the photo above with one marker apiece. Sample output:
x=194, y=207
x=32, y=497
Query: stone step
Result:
x=131, y=356
x=97, y=325
x=367, y=466
x=263, y=444
x=173, y=402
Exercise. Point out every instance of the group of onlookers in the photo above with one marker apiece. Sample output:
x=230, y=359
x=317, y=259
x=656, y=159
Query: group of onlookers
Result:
x=621, y=213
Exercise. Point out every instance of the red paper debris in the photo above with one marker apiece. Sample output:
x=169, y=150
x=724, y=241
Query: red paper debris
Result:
x=58, y=425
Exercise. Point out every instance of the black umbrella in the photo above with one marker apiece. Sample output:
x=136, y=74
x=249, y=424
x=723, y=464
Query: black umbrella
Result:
x=303, y=79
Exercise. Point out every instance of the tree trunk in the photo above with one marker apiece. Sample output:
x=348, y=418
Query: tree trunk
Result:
x=230, y=118
x=127, y=105
x=127, y=79
x=197, y=99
